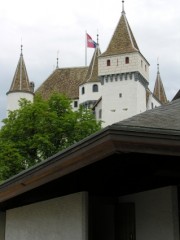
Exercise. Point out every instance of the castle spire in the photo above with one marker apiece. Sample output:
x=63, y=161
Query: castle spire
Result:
x=20, y=86
x=159, y=91
x=123, y=40
x=21, y=80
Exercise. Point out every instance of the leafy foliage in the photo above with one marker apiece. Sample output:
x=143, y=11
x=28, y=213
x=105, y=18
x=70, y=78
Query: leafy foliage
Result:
x=40, y=129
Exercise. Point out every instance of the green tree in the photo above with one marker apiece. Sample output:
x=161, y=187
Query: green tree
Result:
x=40, y=129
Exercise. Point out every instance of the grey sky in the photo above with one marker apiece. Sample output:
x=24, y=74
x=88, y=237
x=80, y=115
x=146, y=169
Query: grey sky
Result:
x=48, y=26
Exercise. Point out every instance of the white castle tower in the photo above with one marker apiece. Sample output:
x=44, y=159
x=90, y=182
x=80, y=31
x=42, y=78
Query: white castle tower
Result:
x=20, y=87
x=90, y=88
x=124, y=75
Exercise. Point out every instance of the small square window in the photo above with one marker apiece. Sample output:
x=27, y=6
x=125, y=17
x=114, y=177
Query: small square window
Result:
x=75, y=104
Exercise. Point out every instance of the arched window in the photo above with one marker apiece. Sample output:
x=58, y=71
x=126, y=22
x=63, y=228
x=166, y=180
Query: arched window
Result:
x=108, y=62
x=127, y=60
x=95, y=88
x=83, y=90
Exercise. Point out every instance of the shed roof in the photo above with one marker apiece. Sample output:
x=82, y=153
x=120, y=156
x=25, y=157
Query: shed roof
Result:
x=136, y=154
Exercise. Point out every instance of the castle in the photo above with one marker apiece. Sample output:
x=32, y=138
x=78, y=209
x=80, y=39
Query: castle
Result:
x=114, y=85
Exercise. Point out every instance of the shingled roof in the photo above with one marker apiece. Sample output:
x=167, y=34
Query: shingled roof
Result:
x=177, y=96
x=21, y=80
x=164, y=117
x=92, y=74
x=159, y=91
x=65, y=81
x=123, y=40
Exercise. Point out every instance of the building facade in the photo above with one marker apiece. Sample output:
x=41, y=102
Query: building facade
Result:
x=115, y=85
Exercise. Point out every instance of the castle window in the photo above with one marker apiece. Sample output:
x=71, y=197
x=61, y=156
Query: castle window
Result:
x=145, y=68
x=95, y=88
x=108, y=62
x=127, y=60
x=83, y=90
x=141, y=63
x=120, y=95
x=152, y=105
x=75, y=104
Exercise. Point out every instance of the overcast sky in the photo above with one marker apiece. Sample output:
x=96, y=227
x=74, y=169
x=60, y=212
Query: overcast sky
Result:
x=46, y=27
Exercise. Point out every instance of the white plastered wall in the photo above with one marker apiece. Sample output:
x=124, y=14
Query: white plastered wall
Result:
x=61, y=218
x=14, y=97
x=89, y=94
x=118, y=65
x=116, y=108
x=156, y=214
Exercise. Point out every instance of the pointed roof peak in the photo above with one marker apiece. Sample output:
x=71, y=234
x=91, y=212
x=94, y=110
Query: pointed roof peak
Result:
x=20, y=81
x=123, y=40
x=159, y=91
x=92, y=73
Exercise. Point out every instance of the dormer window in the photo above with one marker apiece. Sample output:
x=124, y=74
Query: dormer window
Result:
x=95, y=88
x=108, y=62
x=127, y=60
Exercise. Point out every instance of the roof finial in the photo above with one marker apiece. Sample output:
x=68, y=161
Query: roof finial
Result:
x=123, y=6
x=21, y=47
x=158, y=64
x=57, y=66
x=97, y=38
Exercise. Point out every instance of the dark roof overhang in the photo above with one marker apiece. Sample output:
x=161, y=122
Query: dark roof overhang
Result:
x=108, y=142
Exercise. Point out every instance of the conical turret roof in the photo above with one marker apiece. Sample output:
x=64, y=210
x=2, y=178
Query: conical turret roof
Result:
x=159, y=91
x=123, y=40
x=21, y=80
x=92, y=74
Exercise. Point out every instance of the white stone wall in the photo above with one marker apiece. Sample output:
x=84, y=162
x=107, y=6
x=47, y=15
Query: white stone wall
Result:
x=152, y=102
x=61, y=218
x=14, y=97
x=122, y=99
x=98, y=111
x=136, y=63
x=156, y=214
x=89, y=94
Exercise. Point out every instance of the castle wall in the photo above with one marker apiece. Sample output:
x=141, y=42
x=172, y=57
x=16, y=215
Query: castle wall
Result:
x=14, y=97
x=118, y=65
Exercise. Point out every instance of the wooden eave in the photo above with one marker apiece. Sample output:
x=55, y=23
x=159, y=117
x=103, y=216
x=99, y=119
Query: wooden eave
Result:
x=111, y=140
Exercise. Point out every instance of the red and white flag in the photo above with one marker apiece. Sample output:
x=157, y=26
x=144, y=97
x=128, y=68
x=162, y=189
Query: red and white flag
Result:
x=90, y=42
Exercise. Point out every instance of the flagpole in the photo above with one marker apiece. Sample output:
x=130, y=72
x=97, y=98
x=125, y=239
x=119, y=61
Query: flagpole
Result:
x=85, y=48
